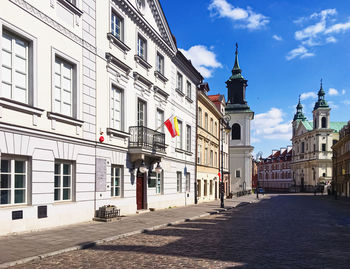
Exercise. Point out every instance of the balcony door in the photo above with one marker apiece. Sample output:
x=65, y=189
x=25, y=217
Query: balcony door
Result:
x=141, y=113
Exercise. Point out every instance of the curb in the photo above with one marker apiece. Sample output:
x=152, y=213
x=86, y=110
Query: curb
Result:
x=108, y=239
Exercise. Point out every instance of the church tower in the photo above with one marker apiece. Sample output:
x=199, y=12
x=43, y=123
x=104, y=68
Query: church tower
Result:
x=240, y=149
x=321, y=111
x=298, y=117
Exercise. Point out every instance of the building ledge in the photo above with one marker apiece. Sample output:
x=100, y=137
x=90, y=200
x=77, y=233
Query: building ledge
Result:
x=180, y=92
x=65, y=119
x=139, y=77
x=161, y=92
x=118, y=42
x=18, y=106
x=189, y=99
x=160, y=76
x=142, y=61
x=71, y=7
x=117, y=133
x=115, y=61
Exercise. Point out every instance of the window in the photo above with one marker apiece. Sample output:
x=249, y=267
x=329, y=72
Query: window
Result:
x=238, y=173
x=199, y=188
x=323, y=147
x=179, y=82
x=302, y=147
x=15, y=68
x=324, y=122
x=159, y=183
x=189, y=90
x=179, y=181
x=206, y=156
x=216, y=160
x=117, y=109
x=211, y=125
x=211, y=157
x=142, y=48
x=179, y=138
x=188, y=138
x=205, y=187
x=116, y=181
x=160, y=120
x=200, y=117
x=141, y=113
x=206, y=121
x=117, y=26
x=63, y=181
x=73, y=2
x=13, y=181
x=199, y=154
x=160, y=63
x=236, y=131
x=188, y=182
x=216, y=129
x=211, y=187
x=63, y=87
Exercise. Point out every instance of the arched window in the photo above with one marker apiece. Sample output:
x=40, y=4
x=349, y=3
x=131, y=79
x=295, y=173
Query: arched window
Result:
x=324, y=122
x=236, y=131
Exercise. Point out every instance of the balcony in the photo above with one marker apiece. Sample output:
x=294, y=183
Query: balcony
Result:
x=146, y=141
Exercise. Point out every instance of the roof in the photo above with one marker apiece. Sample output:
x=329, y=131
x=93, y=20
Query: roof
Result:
x=215, y=98
x=338, y=125
x=308, y=125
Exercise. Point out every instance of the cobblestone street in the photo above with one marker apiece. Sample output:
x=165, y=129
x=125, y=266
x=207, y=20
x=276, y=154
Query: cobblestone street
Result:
x=286, y=231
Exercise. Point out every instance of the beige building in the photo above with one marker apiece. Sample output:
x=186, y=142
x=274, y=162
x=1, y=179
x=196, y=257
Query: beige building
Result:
x=208, y=142
x=312, y=142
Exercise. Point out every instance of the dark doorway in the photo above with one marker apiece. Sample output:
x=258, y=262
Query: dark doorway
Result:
x=140, y=191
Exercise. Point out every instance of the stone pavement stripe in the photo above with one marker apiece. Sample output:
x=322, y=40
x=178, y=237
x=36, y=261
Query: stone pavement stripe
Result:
x=92, y=243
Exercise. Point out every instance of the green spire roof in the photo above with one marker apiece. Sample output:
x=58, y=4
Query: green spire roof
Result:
x=299, y=115
x=236, y=71
x=321, y=102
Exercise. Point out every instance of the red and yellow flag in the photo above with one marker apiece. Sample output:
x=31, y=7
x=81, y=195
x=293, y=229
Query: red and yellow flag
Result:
x=172, y=126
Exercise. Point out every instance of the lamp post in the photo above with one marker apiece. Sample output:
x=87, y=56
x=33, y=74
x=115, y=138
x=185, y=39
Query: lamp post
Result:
x=224, y=123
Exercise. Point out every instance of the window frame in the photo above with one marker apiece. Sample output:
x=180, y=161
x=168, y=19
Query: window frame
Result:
x=199, y=154
x=200, y=118
x=144, y=40
x=188, y=138
x=179, y=182
x=121, y=181
x=139, y=100
x=122, y=27
x=159, y=183
x=179, y=139
x=12, y=173
x=206, y=121
x=61, y=175
x=162, y=67
x=238, y=173
x=75, y=88
x=179, y=78
x=189, y=89
x=188, y=182
x=112, y=93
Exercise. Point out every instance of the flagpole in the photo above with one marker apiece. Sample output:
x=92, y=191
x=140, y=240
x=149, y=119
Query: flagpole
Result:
x=163, y=123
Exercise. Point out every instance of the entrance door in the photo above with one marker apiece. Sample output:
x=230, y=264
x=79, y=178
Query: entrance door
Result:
x=140, y=191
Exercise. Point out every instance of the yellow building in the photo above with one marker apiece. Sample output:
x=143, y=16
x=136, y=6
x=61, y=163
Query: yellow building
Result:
x=208, y=151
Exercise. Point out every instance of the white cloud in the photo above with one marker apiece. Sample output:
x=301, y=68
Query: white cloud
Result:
x=271, y=125
x=203, y=60
x=300, y=52
x=331, y=39
x=343, y=92
x=307, y=95
x=246, y=18
x=346, y=102
x=333, y=92
x=338, y=27
x=277, y=37
x=333, y=105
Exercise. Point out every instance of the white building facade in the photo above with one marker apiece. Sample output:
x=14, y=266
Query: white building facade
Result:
x=240, y=150
x=84, y=91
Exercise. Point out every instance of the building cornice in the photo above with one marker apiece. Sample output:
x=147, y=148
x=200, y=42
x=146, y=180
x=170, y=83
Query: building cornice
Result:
x=204, y=99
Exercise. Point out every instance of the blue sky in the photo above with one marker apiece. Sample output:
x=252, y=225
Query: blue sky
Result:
x=285, y=48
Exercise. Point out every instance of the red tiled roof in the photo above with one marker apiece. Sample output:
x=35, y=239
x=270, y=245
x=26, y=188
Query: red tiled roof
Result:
x=214, y=98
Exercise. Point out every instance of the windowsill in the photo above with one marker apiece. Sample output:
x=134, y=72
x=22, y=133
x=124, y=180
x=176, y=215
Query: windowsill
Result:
x=71, y=7
x=14, y=206
x=180, y=150
x=116, y=41
x=63, y=202
x=160, y=76
x=189, y=99
x=189, y=153
x=142, y=61
x=15, y=105
x=64, y=118
x=180, y=92
x=117, y=133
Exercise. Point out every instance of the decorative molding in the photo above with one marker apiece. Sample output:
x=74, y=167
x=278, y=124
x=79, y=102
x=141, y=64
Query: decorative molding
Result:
x=189, y=99
x=55, y=25
x=8, y=103
x=142, y=79
x=142, y=61
x=64, y=118
x=180, y=92
x=160, y=76
x=115, y=61
x=115, y=133
x=71, y=7
x=161, y=92
x=120, y=44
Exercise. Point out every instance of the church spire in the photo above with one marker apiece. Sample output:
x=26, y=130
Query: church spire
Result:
x=321, y=102
x=236, y=66
x=299, y=115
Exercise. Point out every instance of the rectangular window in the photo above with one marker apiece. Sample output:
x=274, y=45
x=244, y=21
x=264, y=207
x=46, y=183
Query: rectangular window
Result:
x=141, y=113
x=179, y=82
x=117, y=109
x=160, y=120
x=159, y=183
x=238, y=173
x=63, y=87
x=13, y=181
x=179, y=181
x=142, y=48
x=206, y=156
x=160, y=63
x=206, y=121
x=199, y=154
x=211, y=187
x=188, y=182
x=205, y=187
x=211, y=126
x=180, y=137
x=116, y=181
x=323, y=147
x=200, y=117
x=302, y=147
x=63, y=181
x=216, y=160
x=211, y=158
x=216, y=129
x=188, y=138
x=189, y=90
x=199, y=188
x=14, y=68
x=117, y=26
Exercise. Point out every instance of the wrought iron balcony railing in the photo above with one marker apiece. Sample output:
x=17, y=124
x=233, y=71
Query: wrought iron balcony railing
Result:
x=145, y=138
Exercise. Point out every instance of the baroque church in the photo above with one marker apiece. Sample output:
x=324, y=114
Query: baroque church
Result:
x=240, y=150
x=312, y=145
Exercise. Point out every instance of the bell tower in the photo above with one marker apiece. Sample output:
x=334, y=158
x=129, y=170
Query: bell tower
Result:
x=321, y=111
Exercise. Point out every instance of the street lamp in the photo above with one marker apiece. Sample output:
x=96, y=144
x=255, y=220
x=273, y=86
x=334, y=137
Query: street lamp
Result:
x=225, y=126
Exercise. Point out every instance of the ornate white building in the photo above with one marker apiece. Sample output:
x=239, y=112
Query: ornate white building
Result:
x=312, y=142
x=240, y=150
x=84, y=91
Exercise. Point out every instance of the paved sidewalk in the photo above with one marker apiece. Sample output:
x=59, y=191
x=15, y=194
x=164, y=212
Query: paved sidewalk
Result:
x=16, y=249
